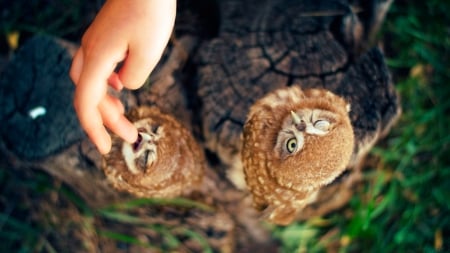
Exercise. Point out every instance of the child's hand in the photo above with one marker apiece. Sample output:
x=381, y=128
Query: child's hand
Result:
x=135, y=32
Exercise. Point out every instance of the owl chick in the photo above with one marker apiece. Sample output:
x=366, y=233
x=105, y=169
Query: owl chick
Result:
x=165, y=161
x=294, y=142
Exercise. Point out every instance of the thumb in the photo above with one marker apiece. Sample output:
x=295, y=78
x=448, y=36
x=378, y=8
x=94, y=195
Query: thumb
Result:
x=136, y=68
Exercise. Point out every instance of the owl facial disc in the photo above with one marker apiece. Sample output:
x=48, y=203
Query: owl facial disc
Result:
x=143, y=152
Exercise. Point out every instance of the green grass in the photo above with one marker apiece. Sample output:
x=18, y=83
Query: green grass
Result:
x=19, y=232
x=403, y=205
x=35, y=210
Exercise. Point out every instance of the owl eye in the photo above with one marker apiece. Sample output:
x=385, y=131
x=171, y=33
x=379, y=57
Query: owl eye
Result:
x=323, y=125
x=291, y=145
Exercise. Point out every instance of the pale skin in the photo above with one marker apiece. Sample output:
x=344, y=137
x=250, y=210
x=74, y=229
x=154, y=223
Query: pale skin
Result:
x=135, y=32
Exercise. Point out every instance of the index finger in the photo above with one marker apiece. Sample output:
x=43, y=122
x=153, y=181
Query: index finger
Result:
x=90, y=90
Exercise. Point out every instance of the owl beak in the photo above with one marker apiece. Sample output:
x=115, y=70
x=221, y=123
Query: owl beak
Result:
x=142, y=137
x=295, y=118
x=298, y=122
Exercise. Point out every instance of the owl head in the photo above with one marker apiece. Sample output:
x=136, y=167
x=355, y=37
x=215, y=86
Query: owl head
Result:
x=165, y=161
x=294, y=142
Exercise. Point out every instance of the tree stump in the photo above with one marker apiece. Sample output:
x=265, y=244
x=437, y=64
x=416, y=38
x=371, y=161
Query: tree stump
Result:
x=39, y=127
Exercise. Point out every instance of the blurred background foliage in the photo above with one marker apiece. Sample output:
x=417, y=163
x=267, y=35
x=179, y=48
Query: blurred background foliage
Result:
x=402, y=206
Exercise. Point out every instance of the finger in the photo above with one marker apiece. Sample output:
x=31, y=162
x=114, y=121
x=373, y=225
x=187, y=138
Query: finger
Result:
x=94, y=128
x=114, y=82
x=77, y=65
x=145, y=49
x=116, y=121
x=90, y=90
x=116, y=103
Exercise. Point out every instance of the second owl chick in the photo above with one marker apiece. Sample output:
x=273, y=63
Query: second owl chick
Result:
x=164, y=162
x=294, y=143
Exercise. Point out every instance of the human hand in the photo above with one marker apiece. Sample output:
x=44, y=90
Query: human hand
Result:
x=135, y=32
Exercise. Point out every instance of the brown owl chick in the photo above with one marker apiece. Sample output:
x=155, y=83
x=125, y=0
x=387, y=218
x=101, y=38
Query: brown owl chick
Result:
x=165, y=161
x=294, y=142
